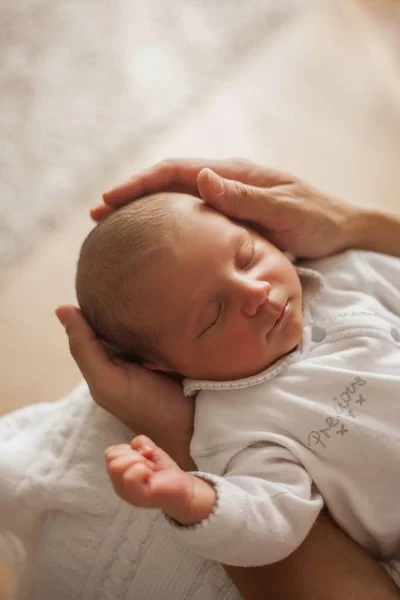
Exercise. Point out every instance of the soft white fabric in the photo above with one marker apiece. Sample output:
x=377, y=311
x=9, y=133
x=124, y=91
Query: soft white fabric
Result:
x=82, y=540
x=327, y=414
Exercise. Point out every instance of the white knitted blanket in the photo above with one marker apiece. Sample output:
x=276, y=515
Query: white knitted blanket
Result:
x=82, y=541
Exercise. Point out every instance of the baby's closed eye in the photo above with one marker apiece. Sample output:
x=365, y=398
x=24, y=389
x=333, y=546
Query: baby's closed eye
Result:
x=246, y=254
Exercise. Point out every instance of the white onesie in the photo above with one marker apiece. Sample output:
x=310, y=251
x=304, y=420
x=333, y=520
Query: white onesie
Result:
x=321, y=425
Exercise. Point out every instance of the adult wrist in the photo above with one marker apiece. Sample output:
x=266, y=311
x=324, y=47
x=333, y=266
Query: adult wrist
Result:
x=358, y=228
x=374, y=230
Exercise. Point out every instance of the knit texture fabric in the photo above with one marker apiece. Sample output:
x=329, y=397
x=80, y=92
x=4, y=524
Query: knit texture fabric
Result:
x=82, y=540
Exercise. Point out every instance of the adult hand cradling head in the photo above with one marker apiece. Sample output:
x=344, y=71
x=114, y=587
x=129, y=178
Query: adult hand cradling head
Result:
x=293, y=215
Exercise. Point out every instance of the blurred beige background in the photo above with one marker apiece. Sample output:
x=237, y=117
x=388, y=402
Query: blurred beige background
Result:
x=312, y=87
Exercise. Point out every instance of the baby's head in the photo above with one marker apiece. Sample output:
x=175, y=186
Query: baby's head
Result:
x=169, y=281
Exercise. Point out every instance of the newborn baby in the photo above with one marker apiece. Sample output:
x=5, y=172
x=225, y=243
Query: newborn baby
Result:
x=171, y=282
x=296, y=385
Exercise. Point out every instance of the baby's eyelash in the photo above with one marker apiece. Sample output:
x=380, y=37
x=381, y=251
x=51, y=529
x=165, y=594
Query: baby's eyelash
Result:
x=250, y=258
x=217, y=316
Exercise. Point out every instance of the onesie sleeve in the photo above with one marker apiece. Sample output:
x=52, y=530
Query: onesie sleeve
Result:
x=266, y=505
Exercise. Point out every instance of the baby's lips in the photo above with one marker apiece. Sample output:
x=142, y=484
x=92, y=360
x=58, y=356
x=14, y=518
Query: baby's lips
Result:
x=279, y=309
x=281, y=312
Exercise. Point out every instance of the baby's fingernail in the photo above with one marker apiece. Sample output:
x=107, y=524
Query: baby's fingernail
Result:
x=215, y=182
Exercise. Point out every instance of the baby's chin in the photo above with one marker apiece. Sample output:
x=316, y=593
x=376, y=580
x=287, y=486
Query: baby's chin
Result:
x=258, y=366
x=276, y=348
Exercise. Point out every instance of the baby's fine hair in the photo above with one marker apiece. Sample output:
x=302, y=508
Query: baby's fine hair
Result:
x=113, y=272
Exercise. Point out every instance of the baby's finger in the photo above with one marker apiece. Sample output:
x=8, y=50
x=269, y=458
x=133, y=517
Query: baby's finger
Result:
x=136, y=475
x=144, y=445
x=132, y=484
x=119, y=464
x=114, y=451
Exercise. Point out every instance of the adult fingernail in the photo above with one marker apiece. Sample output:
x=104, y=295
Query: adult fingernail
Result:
x=107, y=193
x=60, y=317
x=63, y=314
x=215, y=182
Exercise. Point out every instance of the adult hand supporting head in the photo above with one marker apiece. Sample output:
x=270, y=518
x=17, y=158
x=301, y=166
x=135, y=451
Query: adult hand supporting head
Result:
x=147, y=402
x=292, y=214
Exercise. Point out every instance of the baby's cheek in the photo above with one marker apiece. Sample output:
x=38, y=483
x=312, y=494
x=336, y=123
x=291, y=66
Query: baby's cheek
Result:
x=235, y=333
x=241, y=339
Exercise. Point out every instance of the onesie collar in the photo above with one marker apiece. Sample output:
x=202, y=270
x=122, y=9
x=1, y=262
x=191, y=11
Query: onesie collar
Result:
x=312, y=285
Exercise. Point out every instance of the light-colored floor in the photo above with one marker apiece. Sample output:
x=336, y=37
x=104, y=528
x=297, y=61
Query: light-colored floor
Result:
x=321, y=98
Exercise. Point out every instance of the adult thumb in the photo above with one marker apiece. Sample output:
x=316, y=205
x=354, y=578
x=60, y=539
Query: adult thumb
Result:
x=87, y=351
x=236, y=199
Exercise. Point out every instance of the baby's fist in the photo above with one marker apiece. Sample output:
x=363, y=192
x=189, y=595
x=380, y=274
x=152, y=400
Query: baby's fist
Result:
x=145, y=476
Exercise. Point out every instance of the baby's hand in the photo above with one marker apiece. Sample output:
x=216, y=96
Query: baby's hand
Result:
x=145, y=476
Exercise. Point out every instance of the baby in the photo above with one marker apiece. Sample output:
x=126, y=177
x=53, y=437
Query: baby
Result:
x=296, y=373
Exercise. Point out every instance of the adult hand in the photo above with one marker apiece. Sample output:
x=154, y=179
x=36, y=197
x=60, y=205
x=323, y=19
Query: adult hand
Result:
x=295, y=216
x=147, y=402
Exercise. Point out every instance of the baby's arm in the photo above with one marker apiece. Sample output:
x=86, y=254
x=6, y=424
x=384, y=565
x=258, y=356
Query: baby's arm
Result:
x=145, y=476
x=266, y=506
x=258, y=513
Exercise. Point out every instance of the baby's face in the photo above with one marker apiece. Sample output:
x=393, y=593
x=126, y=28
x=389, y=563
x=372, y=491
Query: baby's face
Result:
x=227, y=303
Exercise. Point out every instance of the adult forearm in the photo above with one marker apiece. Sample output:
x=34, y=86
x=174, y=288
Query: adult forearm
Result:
x=167, y=418
x=175, y=443
x=376, y=231
x=154, y=405
x=327, y=566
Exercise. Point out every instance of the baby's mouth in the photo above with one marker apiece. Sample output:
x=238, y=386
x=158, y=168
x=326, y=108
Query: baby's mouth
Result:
x=282, y=313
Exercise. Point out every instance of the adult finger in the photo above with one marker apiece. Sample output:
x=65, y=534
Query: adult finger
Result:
x=239, y=200
x=165, y=176
x=99, y=212
x=88, y=352
x=180, y=175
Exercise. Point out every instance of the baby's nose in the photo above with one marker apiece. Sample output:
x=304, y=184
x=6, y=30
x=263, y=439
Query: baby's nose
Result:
x=255, y=297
